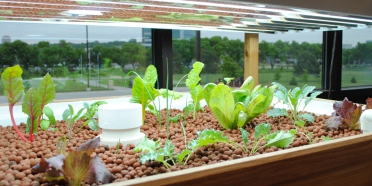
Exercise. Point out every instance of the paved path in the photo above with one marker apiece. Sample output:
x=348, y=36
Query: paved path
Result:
x=116, y=92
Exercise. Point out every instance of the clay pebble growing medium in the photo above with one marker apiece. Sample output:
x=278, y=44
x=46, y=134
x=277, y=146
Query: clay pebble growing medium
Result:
x=18, y=157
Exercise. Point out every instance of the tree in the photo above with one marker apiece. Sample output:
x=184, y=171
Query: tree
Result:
x=208, y=57
x=134, y=54
x=181, y=55
x=231, y=68
x=306, y=60
x=269, y=53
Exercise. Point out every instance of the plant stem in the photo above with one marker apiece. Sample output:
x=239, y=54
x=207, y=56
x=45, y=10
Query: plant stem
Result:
x=14, y=123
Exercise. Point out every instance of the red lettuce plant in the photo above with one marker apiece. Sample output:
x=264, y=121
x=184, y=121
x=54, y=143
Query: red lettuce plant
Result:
x=346, y=114
x=76, y=167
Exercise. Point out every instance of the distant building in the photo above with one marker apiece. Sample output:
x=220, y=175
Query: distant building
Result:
x=176, y=34
x=6, y=39
x=347, y=46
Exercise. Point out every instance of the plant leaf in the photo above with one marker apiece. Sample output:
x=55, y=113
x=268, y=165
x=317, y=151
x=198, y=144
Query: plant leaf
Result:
x=353, y=117
x=193, y=77
x=333, y=122
x=312, y=96
x=151, y=75
x=66, y=115
x=245, y=136
x=55, y=162
x=77, y=115
x=248, y=84
x=279, y=139
x=54, y=175
x=71, y=109
x=228, y=80
x=197, y=94
x=239, y=116
x=147, y=145
x=97, y=172
x=31, y=106
x=93, y=124
x=281, y=88
x=208, y=88
x=277, y=112
x=307, y=117
x=255, y=107
x=183, y=154
x=46, y=90
x=90, y=144
x=75, y=167
x=212, y=136
x=175, y=95
x=281, y=96
x=44, y=124
x=50, y=114
x=13, y=84
x=300, y=123
x=261, y=129
x=240, y=95
x=222, y=105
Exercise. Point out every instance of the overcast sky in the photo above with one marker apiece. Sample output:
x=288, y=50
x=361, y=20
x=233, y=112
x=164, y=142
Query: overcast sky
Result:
x=33, y=33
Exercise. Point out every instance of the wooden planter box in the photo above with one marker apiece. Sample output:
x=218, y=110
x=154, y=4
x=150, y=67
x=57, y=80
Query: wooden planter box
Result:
x=346, y=161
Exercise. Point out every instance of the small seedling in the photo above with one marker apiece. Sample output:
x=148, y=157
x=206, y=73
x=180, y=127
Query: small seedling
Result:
x=70, y=118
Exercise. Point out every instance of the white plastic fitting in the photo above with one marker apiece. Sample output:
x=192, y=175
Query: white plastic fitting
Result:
x=120, y=121
x=366, y=121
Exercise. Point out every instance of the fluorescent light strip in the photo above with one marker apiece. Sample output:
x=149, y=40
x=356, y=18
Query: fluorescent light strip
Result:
x=335, y=19
x=282, y=22
x=321, y=22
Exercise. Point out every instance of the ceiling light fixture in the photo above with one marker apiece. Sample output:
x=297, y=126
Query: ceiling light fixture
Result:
x=81, y=12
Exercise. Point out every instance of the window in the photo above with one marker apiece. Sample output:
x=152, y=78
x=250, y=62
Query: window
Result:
x=356, y=57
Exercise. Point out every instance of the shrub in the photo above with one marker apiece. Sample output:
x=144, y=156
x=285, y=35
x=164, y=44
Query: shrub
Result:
x=353, y=80
x=293, y=81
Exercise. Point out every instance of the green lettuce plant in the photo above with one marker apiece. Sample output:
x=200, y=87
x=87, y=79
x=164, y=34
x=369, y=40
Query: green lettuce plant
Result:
x=235, y=108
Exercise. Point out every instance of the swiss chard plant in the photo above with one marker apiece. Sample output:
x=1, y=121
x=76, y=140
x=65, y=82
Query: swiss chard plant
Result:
x=235, y=108
x=280, y=139
x=90, y=116
x=346, y=114
x=33, y=103
x=293, y=99
x=77, y=167
x=196, y=90
x=70, y=118
x=143, y=90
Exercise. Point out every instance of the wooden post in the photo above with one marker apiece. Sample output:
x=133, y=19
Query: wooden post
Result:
x=251, y=56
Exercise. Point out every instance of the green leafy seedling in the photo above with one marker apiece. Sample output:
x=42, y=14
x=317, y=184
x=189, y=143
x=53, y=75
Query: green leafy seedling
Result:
x=278, y=139
x=196, y=90
x=91, y=114
x=293, y=99
x=70, y=118
x=151, y=150
x=45, y=123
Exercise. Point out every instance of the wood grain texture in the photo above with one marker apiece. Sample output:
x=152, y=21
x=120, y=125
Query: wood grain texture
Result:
x=251, y=56
x=345, y=161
